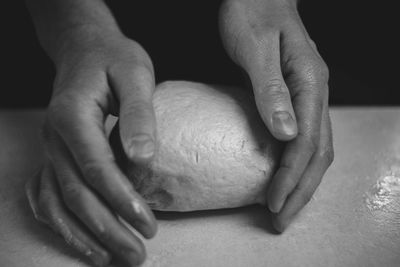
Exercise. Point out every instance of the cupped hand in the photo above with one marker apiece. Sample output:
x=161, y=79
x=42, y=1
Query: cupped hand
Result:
x=81, y=192
x=290, y=83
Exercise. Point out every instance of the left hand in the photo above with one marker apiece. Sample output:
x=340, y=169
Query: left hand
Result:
x=290, y=82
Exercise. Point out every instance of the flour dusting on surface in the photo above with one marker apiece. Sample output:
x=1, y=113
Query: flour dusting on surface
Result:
x=383, y=192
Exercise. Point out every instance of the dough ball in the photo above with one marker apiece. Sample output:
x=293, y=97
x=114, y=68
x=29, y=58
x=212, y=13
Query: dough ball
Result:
x=213, y=150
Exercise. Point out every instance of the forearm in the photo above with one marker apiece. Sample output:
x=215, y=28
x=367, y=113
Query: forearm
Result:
x=55, y=19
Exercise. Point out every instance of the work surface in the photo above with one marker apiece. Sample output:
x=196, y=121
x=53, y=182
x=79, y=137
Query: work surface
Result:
x=352, y=220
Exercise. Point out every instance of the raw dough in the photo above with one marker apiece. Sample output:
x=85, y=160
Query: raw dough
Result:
x=213, y=150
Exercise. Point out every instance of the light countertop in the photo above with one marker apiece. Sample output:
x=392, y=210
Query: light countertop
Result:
x=352, y=220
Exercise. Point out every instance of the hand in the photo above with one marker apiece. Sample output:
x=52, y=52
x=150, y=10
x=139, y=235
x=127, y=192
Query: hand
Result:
x=81, y=193
x=290, y=83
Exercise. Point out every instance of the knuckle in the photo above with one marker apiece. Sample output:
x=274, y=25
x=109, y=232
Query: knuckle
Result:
x=139, y=72
x=93, y=173
x=58, y=110
x=323, y=72
x=311, y=143
x=312, y=43
x=317, y=72
x=139, y=54
x=73, y=196
x=274, y=85
x=313, y=71
x=103, y=233
x=55, y=108
x=276, y=89
x=64, y=108
x=142, y=71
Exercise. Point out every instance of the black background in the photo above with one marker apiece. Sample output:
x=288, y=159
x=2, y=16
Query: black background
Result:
x=357, y=39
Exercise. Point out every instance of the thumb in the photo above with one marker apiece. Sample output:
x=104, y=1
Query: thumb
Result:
x=137, y=123
x=271, y=94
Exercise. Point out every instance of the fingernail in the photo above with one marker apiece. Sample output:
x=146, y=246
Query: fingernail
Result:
x=279, y=226
x=273, y=208
x=283, y=123
x=278, y=205
x=98, y=258
x=148, y=224
x=134, y=258
x=141, y=146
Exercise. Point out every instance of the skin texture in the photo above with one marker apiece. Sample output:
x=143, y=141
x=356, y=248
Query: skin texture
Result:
x=290, y=83
x=100, y=72
x=212, y=150
x=91, y=185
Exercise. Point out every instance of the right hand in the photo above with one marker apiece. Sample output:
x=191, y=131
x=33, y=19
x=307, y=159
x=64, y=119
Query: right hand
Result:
x=81, y=192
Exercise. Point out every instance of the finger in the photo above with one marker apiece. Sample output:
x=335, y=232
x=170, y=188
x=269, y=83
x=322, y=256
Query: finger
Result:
x=32, y=192
x=308, y=90
x=63, y=221
x=270, y=91
x=80, y=123
x=295, y=158
x=135, y=87
x=92, y=211
x=311, y=179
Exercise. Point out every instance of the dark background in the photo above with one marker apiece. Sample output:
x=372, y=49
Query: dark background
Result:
x=358, y=40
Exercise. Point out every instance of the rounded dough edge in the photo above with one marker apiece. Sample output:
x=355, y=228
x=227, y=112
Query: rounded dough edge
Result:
x=213, y=150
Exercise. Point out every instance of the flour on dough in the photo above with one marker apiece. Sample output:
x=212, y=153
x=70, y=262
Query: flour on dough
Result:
x=213, y=150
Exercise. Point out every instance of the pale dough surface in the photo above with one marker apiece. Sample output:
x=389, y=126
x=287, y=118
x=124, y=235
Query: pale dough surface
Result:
x=213, y=150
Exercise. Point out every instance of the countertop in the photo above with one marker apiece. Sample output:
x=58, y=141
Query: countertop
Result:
x=352, y=220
